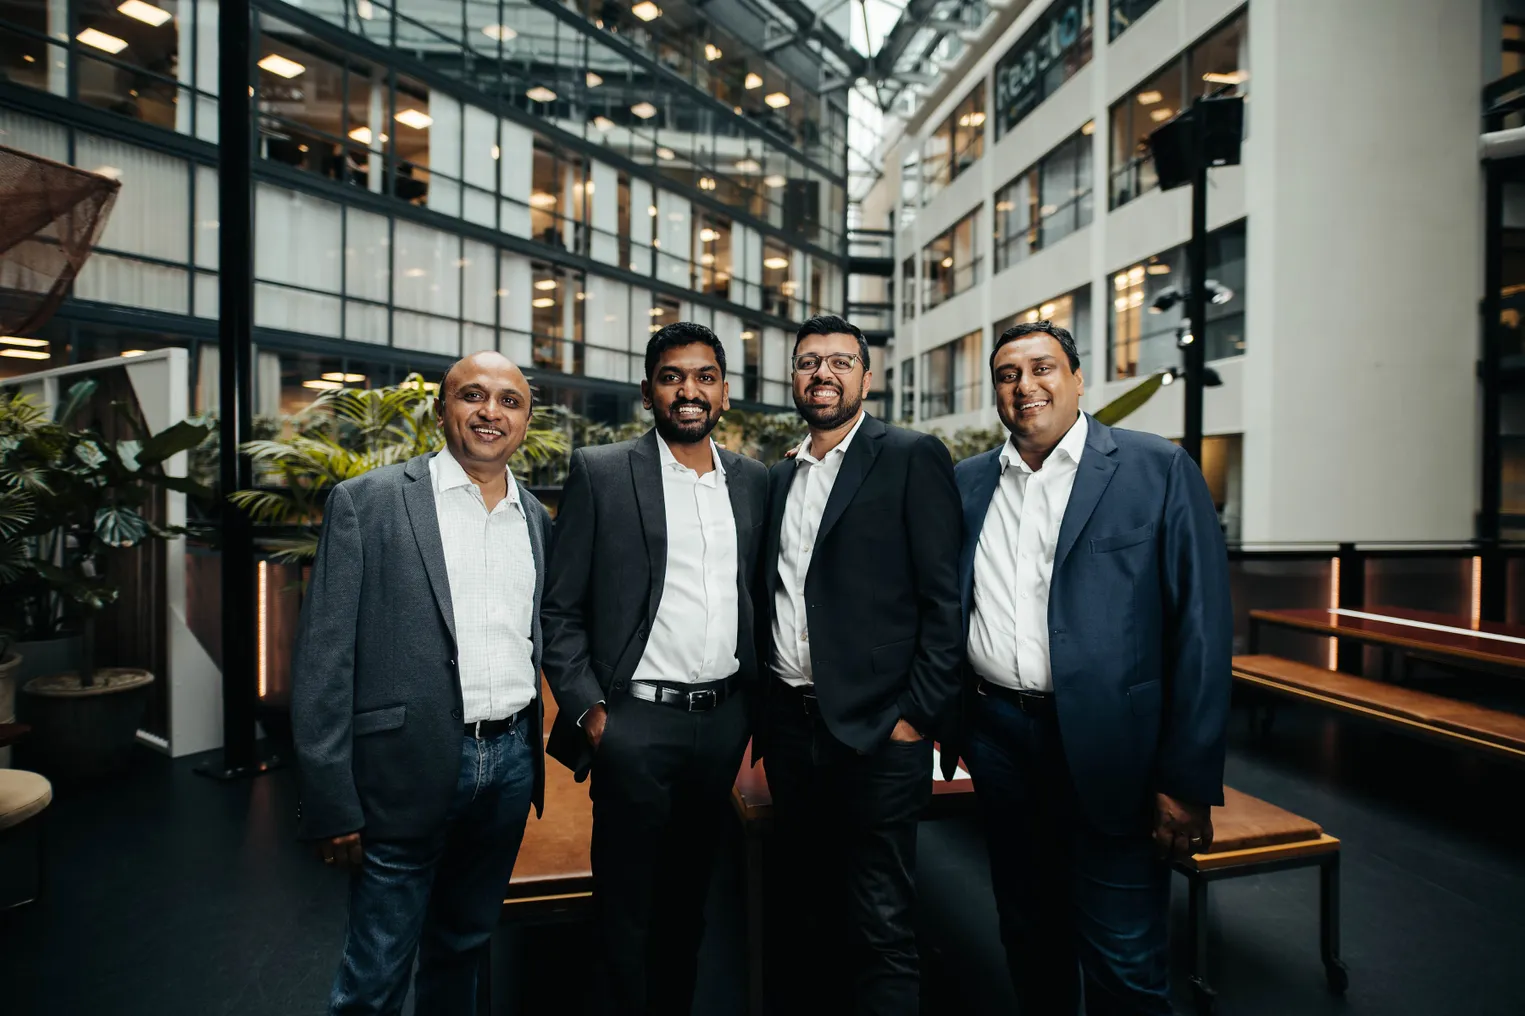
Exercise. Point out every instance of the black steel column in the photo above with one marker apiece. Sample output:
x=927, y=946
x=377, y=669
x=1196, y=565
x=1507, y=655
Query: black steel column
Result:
x=235, y=410
x=1195, y=353
x=1352, y=593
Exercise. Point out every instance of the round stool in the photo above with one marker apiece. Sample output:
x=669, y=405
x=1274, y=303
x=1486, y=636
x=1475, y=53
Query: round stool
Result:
x=23, y=798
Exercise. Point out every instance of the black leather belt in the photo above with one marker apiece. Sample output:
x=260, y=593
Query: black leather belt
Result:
x=486, y=730
x=1033, y=703
x=809, y=704
x=697, y=698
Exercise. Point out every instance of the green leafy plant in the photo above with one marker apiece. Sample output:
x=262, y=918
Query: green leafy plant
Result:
x=69, y=498
x=348, y=432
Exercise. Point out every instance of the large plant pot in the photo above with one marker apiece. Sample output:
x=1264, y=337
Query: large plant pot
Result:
x=48, y=656
x=8, y=668
x=81, y=733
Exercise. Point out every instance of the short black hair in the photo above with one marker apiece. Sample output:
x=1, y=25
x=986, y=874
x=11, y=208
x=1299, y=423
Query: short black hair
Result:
x=832, y=324
x=681, y=333
x=1060, y=335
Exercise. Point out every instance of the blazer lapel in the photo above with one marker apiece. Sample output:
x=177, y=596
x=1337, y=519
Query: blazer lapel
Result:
x=646, y=474
x=779, y=479
x=1097, y=465
x=418, y=499
x=855, y=466
x=741, y=513
x=976, y=504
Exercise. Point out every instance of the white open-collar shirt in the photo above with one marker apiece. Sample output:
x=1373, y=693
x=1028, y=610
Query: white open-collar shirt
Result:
x=491, y=569
x=1014, y=565
x=693, y=638
x=808, y=494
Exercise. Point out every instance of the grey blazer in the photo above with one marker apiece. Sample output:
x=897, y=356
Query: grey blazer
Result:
x=376, y=711
x=608, y=567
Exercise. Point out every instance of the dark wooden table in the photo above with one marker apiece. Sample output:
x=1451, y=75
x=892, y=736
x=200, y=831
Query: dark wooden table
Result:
x=1443, y=638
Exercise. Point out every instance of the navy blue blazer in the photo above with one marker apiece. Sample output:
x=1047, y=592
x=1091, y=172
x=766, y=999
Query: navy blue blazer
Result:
x=1140, y=623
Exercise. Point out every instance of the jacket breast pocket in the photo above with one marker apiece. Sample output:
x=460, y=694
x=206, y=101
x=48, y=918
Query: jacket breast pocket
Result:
x=374, y=721
x=1133, y=537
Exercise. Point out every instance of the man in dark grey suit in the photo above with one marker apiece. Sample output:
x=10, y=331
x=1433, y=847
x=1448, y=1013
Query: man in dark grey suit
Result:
x=415, y=697
x=649, y=652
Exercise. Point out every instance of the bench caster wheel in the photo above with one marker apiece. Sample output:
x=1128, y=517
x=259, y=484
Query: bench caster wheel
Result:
x=1338, y=976
x=1203, y=996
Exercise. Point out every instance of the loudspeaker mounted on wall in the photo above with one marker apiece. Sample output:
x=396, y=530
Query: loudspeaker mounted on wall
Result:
x=1173, y=145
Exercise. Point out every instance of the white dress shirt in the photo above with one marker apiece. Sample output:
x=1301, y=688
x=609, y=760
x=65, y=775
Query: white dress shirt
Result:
x=700, y=582
x=492, y=591
x=1014, y=564
x=813, y=480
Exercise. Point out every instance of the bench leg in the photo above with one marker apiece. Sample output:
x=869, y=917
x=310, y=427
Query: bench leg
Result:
x=1196, y=930
x=1335, y=972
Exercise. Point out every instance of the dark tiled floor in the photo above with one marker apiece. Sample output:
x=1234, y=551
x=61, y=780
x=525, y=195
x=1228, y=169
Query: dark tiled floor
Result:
x=174, y=896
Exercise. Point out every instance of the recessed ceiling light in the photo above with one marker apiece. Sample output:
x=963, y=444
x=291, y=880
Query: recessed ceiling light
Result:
x=656, y=312
x=778, y=100
x=971, y=120
x=17, y=340
x=775, y=180
x=323, y=385
x=775, y=263
x=543, y=302
x=1047, y=310
x=748, y=166
x=100, y=40
x=707, y=183
x=644, y=110
x=545, y=284
x=342, y=377
x=363, y=135
x=1158, y=268
x=712, y=52
x=25, y=354
x=646, y=10
x=541, y=199
x=603, y=123
x=1150, y=97
x=748, y=335
x=1162, y=114
x=666, y=154
x=415, y=118
x=708, y=235
x=146, y=13
x=947, y=262
x=130, y=353
x=540, y=93
x=754, y=80
x=1231, y=78
x=594, y=80
x=280, y=66
x=29, y=58
x=500, y=32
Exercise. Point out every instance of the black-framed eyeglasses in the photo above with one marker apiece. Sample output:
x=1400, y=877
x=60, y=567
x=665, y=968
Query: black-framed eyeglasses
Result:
x=840, y=363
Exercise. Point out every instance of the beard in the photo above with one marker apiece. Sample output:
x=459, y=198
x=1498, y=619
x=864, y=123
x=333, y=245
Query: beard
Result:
x=675, y=431
x=827, y=417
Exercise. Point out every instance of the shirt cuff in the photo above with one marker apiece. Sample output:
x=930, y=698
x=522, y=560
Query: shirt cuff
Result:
x=585, y=713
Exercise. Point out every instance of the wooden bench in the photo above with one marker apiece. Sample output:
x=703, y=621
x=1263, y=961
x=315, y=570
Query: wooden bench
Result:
x=1435, y=717
x=1253, y=837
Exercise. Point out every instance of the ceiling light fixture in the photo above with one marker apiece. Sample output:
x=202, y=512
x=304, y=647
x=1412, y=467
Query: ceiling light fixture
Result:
x=280, y=66
x=706, y=259
x=540, y=93
x=646, y=10
x=656, y=312
x=320, y=385
x=1089, y=128
x=778, y=100
x=1150, y=97
x=25, y=354
x=365, y=10
x=712, y=52
x=100, y=40
x=340, y=376
x=545, y=285
x=706, y=183
x=593, y=80
x=972, y=120
x=666, y=154
x=947, y=262
x=128, y=354
x=363, y=135
x=497, y=153
x=502, y=33
x=17, y=340
x=651, y=210
x=1158, y=269
x=749, y=166
x=1230, y=78
x=603, y=123
x=775, y=180
x=748, y=335
x=540, y=199
x=146, y=13
x=754, y=80
x=1162, y=114
x=644, y=110
x=776, y=262
x=708, y=235
x=543, y=302
x=415, y=118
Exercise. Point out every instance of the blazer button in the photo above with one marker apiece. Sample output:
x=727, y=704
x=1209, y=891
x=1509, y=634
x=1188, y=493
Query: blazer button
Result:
x=452, y=661
x=455, y=714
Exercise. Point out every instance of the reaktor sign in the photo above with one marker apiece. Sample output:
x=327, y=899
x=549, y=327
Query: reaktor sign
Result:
x=1046, y=56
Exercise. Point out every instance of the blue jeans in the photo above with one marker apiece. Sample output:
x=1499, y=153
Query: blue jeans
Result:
x=438, y=898
x=1075, y=904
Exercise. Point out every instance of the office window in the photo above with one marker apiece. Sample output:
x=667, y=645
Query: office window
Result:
x=778, y=284
x=908, y=390
x=952, y=262
x=1048, y=54
x=712, y=260
x=1512, y=38
x=1217, y=65
x=1071, y=311
x=1123, y=13
x=129, y=65
x=910, y=189
x=953, y=377
x=908, y=288
x=956, y=145
x=1144, y=340
x=1047, y=202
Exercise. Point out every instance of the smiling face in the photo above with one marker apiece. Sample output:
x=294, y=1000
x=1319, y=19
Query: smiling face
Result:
x=1036, y=392
x=823, y=397
x=686, y=393
x=484, y=410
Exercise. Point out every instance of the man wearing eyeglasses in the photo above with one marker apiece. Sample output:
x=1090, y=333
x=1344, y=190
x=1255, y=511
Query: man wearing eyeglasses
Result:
x=862, y=650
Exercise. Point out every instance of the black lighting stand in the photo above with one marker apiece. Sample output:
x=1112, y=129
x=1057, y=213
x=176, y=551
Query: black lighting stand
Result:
x=240, y=754
x=1206, y=135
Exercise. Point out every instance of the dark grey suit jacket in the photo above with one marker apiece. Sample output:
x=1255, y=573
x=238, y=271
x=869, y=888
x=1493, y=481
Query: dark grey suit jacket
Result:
x=607, y=568
x=376, y=709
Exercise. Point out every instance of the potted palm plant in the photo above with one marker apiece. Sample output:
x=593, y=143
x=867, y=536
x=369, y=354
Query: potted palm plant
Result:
x=85, y=500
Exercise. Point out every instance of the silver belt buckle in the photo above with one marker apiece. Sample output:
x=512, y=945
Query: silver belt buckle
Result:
x=703, y=695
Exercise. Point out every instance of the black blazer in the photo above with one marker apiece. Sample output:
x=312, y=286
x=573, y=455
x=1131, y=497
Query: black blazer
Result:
x=608, y=563
x=881, y=593
x=376, y=712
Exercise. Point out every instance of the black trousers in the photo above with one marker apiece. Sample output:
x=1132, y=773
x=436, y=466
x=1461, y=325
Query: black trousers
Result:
x=662, y=780
x=841, y=934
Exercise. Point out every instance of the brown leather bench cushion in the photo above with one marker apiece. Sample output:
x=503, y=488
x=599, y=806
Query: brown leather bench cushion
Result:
x=1244, y=822
x=1437, y=711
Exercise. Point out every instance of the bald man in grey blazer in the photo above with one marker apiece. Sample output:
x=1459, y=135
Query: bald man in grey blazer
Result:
x=416, y=706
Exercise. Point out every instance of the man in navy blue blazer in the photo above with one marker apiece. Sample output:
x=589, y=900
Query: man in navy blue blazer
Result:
x=1096, y=598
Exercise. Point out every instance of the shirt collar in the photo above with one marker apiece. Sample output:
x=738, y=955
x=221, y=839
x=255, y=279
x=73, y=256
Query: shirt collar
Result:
x=1072, y=446
x=803, y=454
x=668, y=459
x=448, y=475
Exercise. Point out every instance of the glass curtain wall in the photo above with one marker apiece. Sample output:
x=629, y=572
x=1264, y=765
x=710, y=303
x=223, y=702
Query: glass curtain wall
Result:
x=1047, y=202
x=956, y=145
x=952, y=377
x=952, y=261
